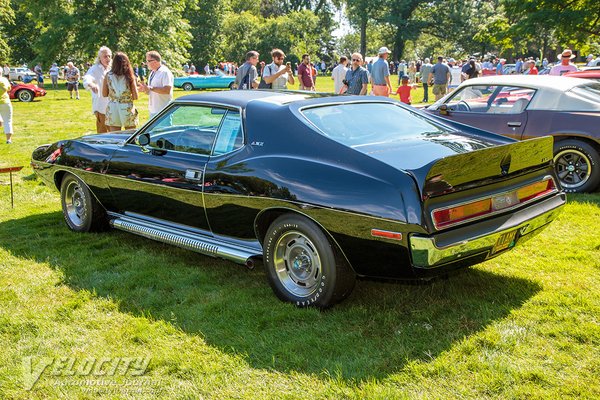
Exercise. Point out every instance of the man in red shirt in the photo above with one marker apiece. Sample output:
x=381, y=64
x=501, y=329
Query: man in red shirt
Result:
x=305, y=74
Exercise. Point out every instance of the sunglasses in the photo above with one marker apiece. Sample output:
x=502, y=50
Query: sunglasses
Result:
x=355, y=59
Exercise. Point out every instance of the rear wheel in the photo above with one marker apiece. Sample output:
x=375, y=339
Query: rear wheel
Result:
x=231, y=86
x=81, y=210
x=25, y=95
x=577, y=165
x=187, y=86
x=302, y=265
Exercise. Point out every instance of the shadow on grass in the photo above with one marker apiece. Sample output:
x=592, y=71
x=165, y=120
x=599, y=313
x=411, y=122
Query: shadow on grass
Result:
x=374, y=333
x=593, y=198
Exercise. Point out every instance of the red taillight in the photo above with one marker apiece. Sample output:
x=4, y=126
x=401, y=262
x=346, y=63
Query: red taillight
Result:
x=535, y=190
x=445, y=217
x=448, y=216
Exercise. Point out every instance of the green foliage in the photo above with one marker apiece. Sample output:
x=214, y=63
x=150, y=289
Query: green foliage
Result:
x=6, y=18
x=75, y=30
x=206, y=20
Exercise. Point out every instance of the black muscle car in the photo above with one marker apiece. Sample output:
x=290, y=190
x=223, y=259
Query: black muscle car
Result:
x=321, y=188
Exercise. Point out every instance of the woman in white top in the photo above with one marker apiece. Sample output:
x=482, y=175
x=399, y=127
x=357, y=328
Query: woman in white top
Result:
x=121, y=89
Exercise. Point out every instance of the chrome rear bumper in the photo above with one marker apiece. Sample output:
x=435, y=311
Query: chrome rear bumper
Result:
x=480, y=239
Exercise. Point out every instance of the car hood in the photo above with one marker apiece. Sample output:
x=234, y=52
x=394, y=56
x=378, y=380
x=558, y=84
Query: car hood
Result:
x=107, y=138
x=416, y=151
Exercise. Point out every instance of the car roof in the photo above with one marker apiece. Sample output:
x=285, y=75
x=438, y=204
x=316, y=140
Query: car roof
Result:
x=546, y=82
x=241, y=98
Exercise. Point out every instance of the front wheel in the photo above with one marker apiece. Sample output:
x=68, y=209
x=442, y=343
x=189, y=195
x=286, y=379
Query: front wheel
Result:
x=302, y=265
x=81, y=210
x=25, y=95
x=577, y=165
x=187, y=87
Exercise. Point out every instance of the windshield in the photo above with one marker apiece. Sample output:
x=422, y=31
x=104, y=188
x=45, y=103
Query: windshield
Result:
x=356, y=124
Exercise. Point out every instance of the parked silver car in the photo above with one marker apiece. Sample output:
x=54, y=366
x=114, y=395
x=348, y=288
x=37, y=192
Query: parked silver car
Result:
x=17, y=74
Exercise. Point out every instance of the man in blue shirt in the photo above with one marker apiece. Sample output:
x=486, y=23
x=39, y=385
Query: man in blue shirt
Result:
x=380, y=73
x=357, y=77
x=441, y=77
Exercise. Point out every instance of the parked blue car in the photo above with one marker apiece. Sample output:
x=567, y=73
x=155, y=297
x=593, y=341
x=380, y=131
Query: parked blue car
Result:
x=191, y=82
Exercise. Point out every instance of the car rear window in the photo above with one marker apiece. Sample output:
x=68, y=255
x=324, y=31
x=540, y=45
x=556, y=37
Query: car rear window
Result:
x=355, y=124
x=587, y=96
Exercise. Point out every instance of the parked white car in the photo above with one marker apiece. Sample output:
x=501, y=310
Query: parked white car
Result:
x=17, y=74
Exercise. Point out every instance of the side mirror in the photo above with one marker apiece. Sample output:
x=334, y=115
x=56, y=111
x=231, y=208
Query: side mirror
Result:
x=444, y=109
x=143, y=139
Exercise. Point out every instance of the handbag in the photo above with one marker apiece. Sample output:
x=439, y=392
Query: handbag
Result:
x=263, y=84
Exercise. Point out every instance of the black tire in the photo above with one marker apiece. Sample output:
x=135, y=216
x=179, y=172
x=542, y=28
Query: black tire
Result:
x=577, y=166
x=81, y=210
x=25, y=95
x=187, y=86
x=231, y=86
x=302, y=264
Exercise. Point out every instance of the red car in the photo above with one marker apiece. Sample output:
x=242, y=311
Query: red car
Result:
x=589, y=73
x=25, y=91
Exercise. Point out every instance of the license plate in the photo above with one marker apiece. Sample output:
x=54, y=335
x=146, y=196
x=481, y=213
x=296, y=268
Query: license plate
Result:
x=505, y=241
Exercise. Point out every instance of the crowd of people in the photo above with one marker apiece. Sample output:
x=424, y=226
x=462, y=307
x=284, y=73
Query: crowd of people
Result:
x=115, y=83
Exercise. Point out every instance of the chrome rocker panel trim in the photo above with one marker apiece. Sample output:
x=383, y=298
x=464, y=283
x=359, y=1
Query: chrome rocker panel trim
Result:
x=188, y=240
x=436, y=251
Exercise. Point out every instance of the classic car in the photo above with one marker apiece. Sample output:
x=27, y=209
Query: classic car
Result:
x=25, y=91
x=191, y=82
x=19, y=73
x=311, y=185
x=526, y=106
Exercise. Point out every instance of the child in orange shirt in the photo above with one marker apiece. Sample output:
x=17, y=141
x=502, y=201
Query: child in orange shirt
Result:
x=404, y=90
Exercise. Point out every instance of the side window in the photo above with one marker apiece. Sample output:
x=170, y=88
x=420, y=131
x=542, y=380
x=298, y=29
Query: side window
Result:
x=187, y=128
x=230, y=136
x=511, y=100
x=472, y=99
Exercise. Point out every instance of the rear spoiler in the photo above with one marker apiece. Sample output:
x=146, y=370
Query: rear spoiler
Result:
x=478, y=167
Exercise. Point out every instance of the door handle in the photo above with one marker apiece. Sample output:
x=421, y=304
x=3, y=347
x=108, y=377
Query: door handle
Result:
x=193, y=174
x=514, y=124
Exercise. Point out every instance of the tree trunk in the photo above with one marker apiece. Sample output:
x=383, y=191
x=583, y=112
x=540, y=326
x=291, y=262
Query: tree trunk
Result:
x=399, y=44
x=363, y=37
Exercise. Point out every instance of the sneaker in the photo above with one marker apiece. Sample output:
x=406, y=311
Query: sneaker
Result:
x=77, y=97
x=8, y=141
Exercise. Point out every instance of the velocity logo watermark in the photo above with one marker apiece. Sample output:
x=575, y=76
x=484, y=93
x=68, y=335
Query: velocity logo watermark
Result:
x=89, y=371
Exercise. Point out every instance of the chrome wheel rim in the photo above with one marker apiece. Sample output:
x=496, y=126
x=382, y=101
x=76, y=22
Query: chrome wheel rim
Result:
x=297, y=264
x=75, y=204
x=187, y=87
x=573, y=168
x=25, y=96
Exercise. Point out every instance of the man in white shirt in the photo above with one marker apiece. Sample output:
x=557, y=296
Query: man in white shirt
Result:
x=339, y=74
x=276, y=74
x=160, y=84
x=93, y=81
x=565, y=65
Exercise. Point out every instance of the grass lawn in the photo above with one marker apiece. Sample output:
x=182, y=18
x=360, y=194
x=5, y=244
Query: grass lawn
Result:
x=524, y=325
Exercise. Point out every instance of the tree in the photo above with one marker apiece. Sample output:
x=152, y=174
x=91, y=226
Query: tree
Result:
x=207, y=19
x=361, y=13
x=75, y=30
x=6, y=18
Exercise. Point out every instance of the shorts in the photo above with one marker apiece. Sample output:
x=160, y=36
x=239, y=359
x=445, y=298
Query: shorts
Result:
x=6, y=114
x=439, y=89
x=121, y=114
x=72, y=85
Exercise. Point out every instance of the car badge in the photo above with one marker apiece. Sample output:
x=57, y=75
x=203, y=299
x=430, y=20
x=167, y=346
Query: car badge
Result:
x=505, y=164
